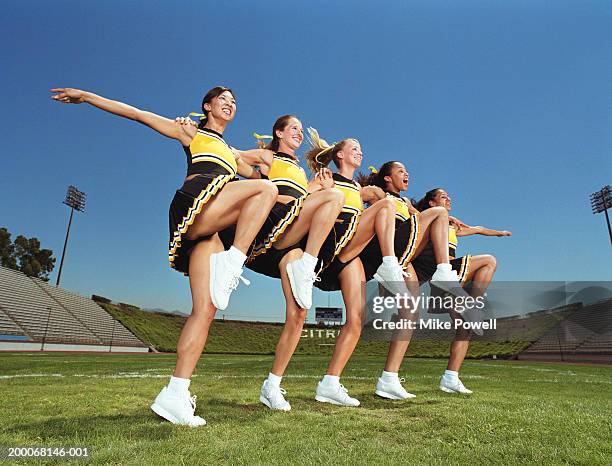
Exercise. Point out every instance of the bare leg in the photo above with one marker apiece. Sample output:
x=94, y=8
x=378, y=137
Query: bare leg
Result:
x=433, y=224
x=195, y=332
x=481, y=273
x=459, y=346
x=316, y=218
x=245, y=203
x=294, y=322
x=353, y=294
x=401, y=338
x=377, y=219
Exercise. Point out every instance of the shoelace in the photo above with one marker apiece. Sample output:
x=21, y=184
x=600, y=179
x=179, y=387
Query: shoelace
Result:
x=234, y=281
x=192, y=401
x=313, y=277
x=278, y=395
x=402, y=380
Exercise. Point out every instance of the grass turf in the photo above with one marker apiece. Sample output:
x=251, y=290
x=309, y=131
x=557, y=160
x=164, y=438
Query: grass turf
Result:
x=520, y=412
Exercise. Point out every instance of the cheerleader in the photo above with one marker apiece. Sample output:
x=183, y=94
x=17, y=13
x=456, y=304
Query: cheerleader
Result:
x=414, y=230
x=341, y=267
x=203, y=206
x=305, y=210
x=478, y=270
x=306, y=214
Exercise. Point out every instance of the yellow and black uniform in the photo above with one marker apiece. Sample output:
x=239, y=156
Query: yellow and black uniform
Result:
x=212, y=164
x=290, y=179
x=406, y=237
x=425, y=263
x=341, y=234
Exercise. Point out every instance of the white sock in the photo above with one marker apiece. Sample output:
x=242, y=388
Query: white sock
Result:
x=390, y=260
x=309, y=260
x=274, y=379
x=178, y=385
x=452, y=375
x=236, y=256
x=444, y=267
x=389, y=376
x=331, y=380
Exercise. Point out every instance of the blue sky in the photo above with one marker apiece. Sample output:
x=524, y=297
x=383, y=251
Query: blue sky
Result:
x=506, y=104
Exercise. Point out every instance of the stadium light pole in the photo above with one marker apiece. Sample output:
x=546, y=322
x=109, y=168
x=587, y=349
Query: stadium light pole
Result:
x=75, y=199
x=601, y=201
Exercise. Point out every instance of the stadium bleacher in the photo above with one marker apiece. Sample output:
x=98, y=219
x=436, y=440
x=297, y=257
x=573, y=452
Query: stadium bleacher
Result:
x=585, y=335
x=56, y=318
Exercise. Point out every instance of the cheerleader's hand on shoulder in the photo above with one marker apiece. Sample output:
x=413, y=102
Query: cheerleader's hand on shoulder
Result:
x=325, y=177
x=185, y=121
x=372, y=194
x=68, y=95
x=455, y=222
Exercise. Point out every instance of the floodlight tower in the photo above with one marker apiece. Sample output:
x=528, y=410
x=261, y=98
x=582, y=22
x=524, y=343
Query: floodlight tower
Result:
x=75, y=199
x=601, y=201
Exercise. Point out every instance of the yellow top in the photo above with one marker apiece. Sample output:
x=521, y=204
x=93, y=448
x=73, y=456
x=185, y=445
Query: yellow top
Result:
x=402, y=213
x=288, y=176
x=352, y=195
x=452, y=238
x=209, y=146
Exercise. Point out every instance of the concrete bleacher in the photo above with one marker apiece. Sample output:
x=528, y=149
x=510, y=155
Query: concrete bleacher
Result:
x=585, y=334
x=54, y=318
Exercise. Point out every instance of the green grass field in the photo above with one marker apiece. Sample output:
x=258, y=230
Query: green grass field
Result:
x=519, y=413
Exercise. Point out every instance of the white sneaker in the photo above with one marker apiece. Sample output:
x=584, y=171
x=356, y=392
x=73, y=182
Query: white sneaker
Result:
x=273, y=397
x=336, y=395
x=301, y=278
x=224, y=278
x=392, y=278
x=177, y=409
x=392, y=390
x=453, y=386
x=448, y=281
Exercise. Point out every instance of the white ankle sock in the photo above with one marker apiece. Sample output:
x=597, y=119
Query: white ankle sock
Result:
x=309, y=260
x=389, y=376
x=178, y=385
x=452, y=375
x=236, y=256
x=444, y=267
x=331, y=380
x=274, y=379
x=390, y=260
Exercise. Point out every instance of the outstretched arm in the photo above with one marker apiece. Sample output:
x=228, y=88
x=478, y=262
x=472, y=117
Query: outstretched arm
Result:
x=162, y=125
x=467, y=230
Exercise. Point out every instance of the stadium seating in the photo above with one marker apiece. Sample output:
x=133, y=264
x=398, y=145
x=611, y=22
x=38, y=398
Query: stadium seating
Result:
x=586, y=331
x=43, y=313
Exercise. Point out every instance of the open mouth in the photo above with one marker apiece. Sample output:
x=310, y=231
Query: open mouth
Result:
x=227, y=111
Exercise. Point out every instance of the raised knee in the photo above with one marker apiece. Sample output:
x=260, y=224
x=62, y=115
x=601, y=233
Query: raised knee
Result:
x=335, y=196
x=492, y=262
x=269, y=188
x=440, y=211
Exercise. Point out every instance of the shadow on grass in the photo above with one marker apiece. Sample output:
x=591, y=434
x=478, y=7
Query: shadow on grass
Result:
x=143, y=425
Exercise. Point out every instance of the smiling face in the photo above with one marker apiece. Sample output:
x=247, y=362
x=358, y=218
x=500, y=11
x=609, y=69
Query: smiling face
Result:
x=291, y=135
x=222, y=107
x=349, y=153
x=397, y=179
x=441, y=199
